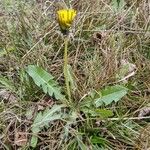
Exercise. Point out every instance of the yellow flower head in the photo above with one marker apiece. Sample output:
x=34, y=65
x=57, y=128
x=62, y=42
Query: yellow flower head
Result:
x=65, y=18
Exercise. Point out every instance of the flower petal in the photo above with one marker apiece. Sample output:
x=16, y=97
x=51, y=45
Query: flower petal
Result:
x=65, y=18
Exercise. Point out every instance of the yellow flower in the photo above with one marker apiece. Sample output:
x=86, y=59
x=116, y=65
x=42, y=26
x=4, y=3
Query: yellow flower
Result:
x=65, y=18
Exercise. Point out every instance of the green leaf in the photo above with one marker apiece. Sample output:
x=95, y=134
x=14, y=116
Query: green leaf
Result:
x=118, y=5
x=42, y=119
x=70, y=119
x=103, y=113
x=4, y=82
x=2, y=52
x=110, y=94
x=5, y=52
x=80, y=143
x=34, y=141
x=98, y=140
x=87, y=101
x=45, y=80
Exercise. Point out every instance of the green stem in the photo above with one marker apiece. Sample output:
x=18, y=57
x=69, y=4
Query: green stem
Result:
x=68, y=3
x=66, y=68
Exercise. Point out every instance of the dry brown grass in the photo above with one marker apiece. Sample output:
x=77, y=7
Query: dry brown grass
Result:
x=100, y=39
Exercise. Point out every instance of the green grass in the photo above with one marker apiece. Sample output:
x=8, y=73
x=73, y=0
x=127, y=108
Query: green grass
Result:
x=107, y=39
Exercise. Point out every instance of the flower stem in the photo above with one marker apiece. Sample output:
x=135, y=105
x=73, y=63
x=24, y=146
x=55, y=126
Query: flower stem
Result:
x=68, y=3
x=66, y=68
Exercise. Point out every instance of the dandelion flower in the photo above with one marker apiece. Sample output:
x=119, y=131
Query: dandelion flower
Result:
x=65, y=19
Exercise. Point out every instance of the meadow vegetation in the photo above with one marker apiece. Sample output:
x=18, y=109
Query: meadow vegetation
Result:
x=108, y=74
